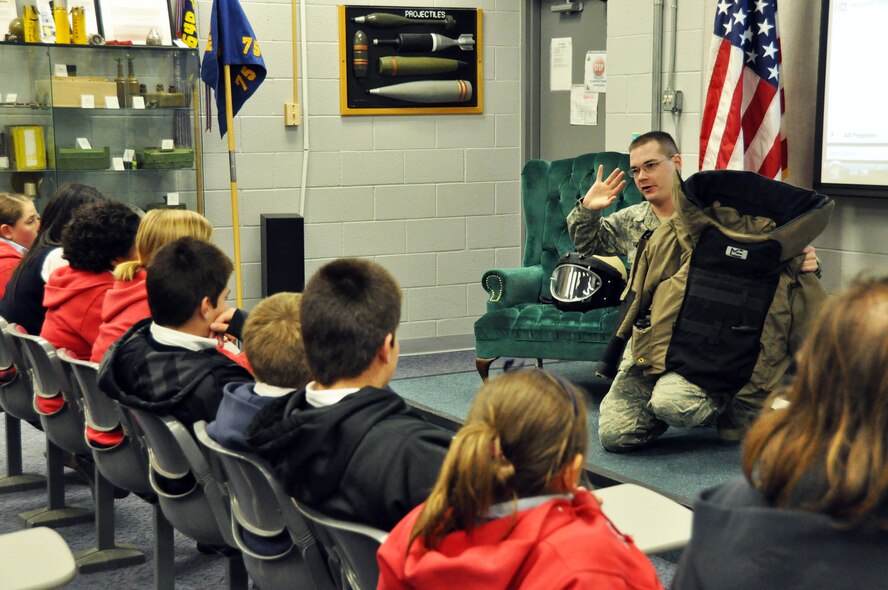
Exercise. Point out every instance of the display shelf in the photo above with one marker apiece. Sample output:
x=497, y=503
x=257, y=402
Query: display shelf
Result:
x=42, y=90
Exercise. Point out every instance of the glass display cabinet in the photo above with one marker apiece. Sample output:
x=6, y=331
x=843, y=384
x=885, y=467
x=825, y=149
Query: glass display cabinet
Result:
x=125, y=119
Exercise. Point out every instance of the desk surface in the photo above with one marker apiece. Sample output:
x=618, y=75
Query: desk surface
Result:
x=35, y=558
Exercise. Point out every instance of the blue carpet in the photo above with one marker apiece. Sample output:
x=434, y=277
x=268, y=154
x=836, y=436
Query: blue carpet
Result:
x=682, y=462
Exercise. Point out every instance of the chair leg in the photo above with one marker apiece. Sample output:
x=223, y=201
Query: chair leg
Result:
x=164, y=552
x=483, y=366
x=106, y=555
x=15, y=480
x=539, y=363
x=237, y=573
x=56, y=514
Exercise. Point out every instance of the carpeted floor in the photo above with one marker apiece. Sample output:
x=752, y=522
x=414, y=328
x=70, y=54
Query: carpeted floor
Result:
x=682, y=463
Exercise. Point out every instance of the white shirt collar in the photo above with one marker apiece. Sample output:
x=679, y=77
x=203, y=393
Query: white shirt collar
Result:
x=170, y=337
x=21, y=249
x=266, y=390
x=510, y=507
x=320, y=398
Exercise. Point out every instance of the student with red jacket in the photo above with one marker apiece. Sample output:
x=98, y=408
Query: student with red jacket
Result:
x=98, y=238
x=506, y=511
x=127, y=301
x=19, y=224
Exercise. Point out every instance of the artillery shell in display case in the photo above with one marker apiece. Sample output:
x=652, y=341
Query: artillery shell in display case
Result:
x=419, y=42
x=399, y=65
x=428, y=91
x=435, y=54
x=359, y=54
x=382, y=20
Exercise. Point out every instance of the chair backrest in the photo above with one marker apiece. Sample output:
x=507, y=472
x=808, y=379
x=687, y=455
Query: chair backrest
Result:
x=120, y=455
x=353, y=545
x=16, y=392
x=62, y=422
x=549, y=191
x=255, y=508
x=189, y=495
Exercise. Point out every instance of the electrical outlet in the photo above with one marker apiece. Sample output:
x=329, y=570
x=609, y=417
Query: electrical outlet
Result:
x=673, y=101
x=292, y=114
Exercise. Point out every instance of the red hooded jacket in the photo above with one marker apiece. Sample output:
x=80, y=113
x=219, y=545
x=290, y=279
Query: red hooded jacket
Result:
x=9, y=259
x=125, y=304
x=557, y=545
x=73, y=301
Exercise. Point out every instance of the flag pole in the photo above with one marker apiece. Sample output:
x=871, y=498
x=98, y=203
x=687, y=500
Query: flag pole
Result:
x=232, y=171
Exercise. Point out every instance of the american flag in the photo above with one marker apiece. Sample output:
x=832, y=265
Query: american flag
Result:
x=742, y=127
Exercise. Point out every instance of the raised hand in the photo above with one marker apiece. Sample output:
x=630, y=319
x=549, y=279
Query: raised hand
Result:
x=603, y=193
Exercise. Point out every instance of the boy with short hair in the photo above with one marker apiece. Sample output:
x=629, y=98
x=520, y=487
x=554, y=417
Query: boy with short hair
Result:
x=273, y=343
x=170, y=364
x=346, y=444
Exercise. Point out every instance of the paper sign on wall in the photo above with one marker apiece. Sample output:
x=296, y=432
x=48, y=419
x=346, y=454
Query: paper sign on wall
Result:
x=560, y=63
x=595, y=77
x=583, y=106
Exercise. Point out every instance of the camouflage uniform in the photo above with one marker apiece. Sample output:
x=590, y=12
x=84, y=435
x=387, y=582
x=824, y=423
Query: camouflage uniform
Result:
x=614, y=235
x=637, y=408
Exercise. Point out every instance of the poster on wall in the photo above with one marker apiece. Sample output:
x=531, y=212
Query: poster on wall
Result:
x=409, y=61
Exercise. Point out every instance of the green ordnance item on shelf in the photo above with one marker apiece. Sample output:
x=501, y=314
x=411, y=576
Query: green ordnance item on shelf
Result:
x=77, y=159
x=158, y=158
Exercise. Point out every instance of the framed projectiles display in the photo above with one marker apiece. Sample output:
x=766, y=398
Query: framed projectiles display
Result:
x=409, y=61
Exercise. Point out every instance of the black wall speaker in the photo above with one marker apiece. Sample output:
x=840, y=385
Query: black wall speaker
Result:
x=283, y=253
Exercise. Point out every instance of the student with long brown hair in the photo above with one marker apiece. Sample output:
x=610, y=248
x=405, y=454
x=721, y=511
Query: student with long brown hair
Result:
x=812, y=511
x=19, y=224
x=506, y=511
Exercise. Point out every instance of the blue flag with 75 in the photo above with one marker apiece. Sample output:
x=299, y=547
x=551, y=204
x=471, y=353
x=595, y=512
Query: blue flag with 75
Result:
x=231, y=42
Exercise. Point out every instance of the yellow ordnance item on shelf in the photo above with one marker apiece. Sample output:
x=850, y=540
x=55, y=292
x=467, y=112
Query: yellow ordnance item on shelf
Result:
x=78, y=25
x=32, y=24
x=29, y=147
x=62, y=26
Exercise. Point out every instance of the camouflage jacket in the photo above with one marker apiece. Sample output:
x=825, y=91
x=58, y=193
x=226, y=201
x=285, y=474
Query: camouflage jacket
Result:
x=614, y=235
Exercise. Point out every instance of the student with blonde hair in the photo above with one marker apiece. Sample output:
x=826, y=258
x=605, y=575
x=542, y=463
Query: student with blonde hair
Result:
x=506, y=511
x=273, y=345
x=812, y=511
x=19, y=224
x=127, y=301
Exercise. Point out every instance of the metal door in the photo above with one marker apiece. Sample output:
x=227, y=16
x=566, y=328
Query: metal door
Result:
x=550, y=135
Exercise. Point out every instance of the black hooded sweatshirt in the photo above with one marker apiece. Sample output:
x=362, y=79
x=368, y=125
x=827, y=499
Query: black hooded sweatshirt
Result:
x=368, y=458
x=141, y=373
x=740, y=542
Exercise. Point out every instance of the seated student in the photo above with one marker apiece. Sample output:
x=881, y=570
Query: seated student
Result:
x=273, y=344
x=19, y=224
x=127, y=301
x=98, y=238
x=22, y=302
x=506, y=511
x=171, y=365
x=347, y=445
x=812, y=512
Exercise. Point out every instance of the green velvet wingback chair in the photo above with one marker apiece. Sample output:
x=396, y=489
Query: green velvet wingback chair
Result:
x=517, y=324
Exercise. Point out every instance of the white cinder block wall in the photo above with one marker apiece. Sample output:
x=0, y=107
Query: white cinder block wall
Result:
x=435, y=199
x=856, y=237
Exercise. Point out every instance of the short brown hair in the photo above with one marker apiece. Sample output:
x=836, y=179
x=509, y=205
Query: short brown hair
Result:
x=348, y=308
x=273, y=342
x=180, y=275
x=663, y=139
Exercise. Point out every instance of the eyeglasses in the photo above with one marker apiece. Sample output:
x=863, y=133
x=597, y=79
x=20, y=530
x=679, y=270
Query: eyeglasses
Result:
x=648, y=167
